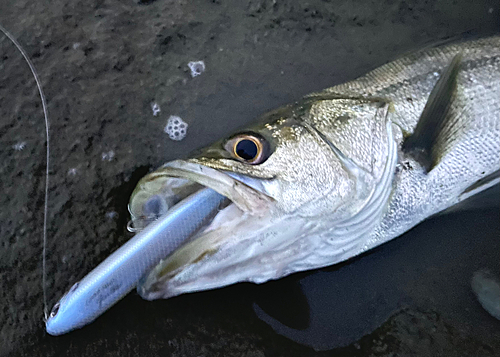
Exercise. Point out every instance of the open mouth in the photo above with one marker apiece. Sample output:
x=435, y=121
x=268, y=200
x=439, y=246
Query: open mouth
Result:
x=176, y=180
x=160, y=190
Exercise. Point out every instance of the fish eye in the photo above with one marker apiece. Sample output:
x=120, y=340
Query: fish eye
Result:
x=249, y=148
x=154, y=207
x=55, y=310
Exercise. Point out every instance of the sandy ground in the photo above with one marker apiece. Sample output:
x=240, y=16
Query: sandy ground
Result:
x=102, y=63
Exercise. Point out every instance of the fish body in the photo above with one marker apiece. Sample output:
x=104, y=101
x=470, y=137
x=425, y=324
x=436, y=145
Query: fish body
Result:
x=468, y=149
x=331, y=177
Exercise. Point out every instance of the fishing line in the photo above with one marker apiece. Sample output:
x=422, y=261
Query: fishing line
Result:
x=45, y=209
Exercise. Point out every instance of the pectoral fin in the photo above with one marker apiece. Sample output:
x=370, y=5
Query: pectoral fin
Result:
x=434, y=117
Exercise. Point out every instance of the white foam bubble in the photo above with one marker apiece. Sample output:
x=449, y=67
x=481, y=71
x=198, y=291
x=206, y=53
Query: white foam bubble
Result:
x=155, y=107
x=108, y=156
x=196, y=67
x=176, y=128
x=19, y=146
x=73, y=171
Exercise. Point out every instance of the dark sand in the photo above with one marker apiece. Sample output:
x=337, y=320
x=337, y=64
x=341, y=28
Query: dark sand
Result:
x=103, y=62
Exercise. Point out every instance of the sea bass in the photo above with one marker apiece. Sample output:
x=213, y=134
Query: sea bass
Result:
x=337, y=173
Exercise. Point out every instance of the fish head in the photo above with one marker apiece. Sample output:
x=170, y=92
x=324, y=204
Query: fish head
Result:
x=288, y=181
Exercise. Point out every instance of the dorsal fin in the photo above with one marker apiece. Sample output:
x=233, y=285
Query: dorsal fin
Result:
x=434, y=116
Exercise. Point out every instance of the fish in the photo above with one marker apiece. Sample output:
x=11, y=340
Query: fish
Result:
x=324, y=179
x=337, y=173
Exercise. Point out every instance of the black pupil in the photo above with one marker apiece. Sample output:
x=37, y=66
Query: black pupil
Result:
x=246, y=149
x=152, y=206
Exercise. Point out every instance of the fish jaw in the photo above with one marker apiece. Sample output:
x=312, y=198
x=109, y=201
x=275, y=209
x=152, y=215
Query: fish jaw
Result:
x=235, y=246
x=177, y=179
x=243, y=225
x=254, y=250
x=245, y=197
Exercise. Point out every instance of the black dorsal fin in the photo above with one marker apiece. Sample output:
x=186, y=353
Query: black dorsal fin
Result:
x=434, y=116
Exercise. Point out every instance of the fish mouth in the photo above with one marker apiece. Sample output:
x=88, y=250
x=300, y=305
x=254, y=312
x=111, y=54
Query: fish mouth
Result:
x=247, y=200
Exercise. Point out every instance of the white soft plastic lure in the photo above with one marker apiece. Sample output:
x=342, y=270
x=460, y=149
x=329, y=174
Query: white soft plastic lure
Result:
x=118, y=274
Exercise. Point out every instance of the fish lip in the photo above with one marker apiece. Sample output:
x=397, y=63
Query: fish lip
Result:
x=247, y=193
x=243, y=195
